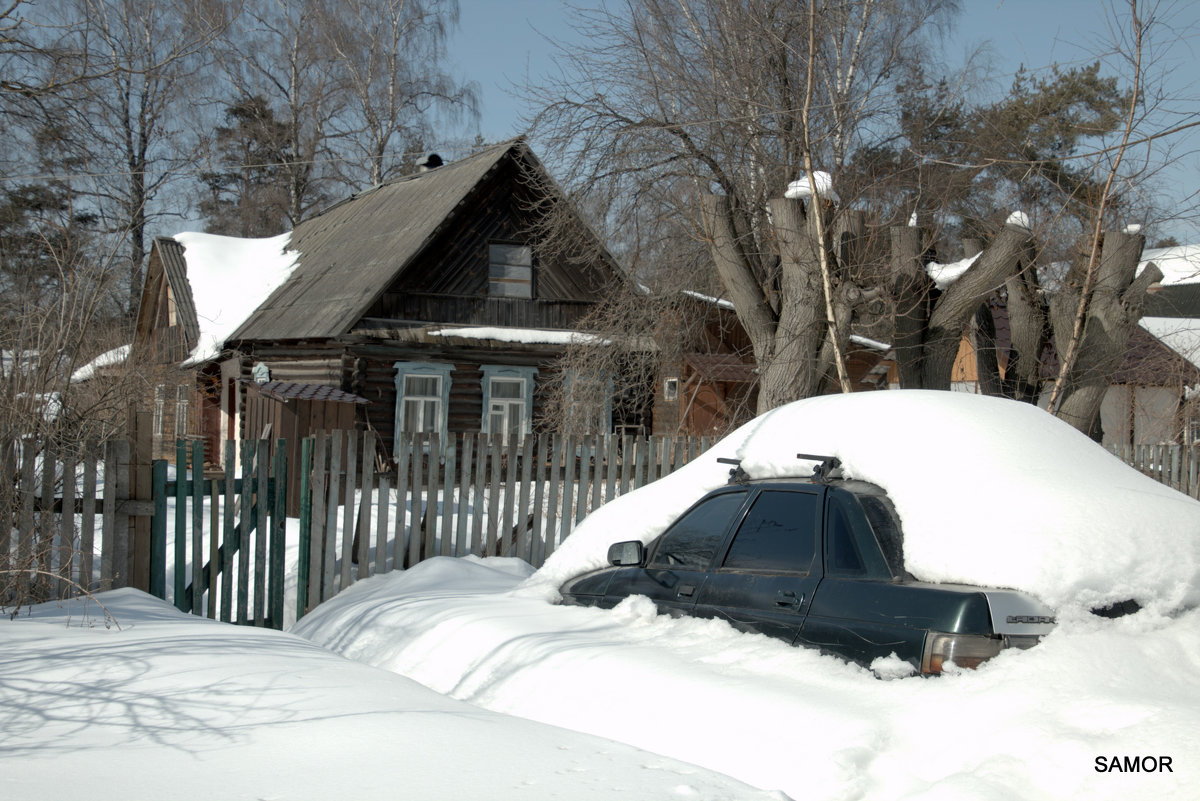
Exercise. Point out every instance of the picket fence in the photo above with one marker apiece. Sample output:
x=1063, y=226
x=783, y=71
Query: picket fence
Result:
x=214, y=543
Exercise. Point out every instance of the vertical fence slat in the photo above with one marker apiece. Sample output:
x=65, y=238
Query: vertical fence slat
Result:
x=382, y=529
x=522, y=515
x=510, y=483
x=403, y=459
x=537, y=546
x=332, y=496
x=431, y=503
x=243, y=530
x=158, y=531
x=597, y=469
x=478, y=496
x=320, y=500
x=66, y=548
x=262, y=468
x=418, y=501
x=214, y=544
x=570, y=472
x=87, y=523
x=278, y=546
x=366, y=495
x=448, y=497
x=611, y=466
x=227, y=538
x=461, y=543
x=493, y=518
x=197, y=538
x=584, y=461
x=550, y=534
x=348, y=515
x=307, y=553
x=180, y=543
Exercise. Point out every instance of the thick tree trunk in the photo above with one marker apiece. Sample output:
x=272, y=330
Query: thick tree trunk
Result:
x=1113, y=310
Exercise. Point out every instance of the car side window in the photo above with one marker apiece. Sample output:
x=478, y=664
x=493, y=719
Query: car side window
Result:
x=778, y=534
x=694, y=538
x=850, y=546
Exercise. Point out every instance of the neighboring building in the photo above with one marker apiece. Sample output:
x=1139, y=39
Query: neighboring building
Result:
x=428, y=298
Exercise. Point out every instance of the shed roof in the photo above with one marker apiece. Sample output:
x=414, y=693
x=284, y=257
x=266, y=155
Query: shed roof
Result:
x=290, y=390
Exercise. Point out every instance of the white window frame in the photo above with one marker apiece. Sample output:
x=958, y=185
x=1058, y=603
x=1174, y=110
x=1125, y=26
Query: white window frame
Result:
x=523, y=405
x=604, y=418
x=160, y=402
x=510, y=270
x=182, y=404
x=438, y=371
x=671, y=389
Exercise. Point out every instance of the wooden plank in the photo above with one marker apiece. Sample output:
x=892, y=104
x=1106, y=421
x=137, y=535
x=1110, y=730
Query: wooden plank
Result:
x=581, y=487
x=611, y=467
x=25, y=524
x=510, y=487
x=87, y=521
x=538, y=545
x=156, y=574
x=367, y=495
x=429, y=548
x=278, y=547
x=418, y=501
x=381, y=524
x=597, y=468
x=403, y=461
x=626, y=464
x=140, y=489
x=261, y=528
x=448, y=497
x=332, y=494
x=66, y=547
x=348, y=515
x=197, y=534
x=570, y=466
x=493, y=519
x=462, y=544
x=478, y=496
x=214, y=544
x=317, y=479
x=44, y=549
x=244, y=528
x=522, y=516
x=639, y=459
x=553, y=524
x=116, y=526
x=180, y=548
x=228, y=538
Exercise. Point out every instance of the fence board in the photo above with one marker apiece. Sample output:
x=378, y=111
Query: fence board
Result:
x=461, y=543
x=402, y=468
x=447, y=541
x=363, y=535
x=493, y=516
x=429, y=522
x=263, y=507
x=332, y=493
x=348, y=517
x=87, y=523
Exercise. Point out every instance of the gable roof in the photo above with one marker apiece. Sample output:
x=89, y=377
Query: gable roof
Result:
x=353, y=251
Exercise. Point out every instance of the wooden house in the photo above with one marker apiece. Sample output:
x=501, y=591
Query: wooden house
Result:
x=431, y=299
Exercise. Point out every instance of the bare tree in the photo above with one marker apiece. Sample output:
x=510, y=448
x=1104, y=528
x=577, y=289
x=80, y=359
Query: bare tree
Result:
x=391, y=54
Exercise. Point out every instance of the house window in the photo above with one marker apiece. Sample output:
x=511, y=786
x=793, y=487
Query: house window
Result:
x=671, y=389
x=510, y=271
x=507, y=401
x=422, y=397
x=160, y=400
x=182, y=400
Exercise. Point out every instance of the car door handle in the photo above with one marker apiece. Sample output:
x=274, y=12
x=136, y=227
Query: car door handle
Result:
x=788, y=600
x=685, y=591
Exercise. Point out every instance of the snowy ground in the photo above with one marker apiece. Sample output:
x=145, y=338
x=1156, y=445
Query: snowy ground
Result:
x=171, y=706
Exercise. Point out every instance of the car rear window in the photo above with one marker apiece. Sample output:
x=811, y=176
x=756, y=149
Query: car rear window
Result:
x=778, y=534
x=851, y=548
x=693, y=540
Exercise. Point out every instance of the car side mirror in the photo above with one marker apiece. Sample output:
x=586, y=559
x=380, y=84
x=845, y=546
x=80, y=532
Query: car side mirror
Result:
x=624, y=554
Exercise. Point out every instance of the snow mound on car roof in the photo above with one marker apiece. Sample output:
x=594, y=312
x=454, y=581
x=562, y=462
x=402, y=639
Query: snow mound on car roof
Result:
x=991, y=492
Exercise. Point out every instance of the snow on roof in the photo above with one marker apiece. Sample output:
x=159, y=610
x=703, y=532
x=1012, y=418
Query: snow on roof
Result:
x=230, y=277
x=944, y=275
x=1179, y=265
x=1180, y=334
x=109, y=358
x=1019, y=219
x=528, y=336
x=800, y=189
x=866, y=342
x=722, y=302
x=991, y=492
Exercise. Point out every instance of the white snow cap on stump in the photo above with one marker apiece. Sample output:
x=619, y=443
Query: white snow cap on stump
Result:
x=800, y=189
x=1019, y=219
x=1133, y=228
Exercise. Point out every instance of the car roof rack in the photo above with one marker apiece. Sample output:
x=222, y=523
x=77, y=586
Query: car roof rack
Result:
x=737, y=475
x=823, y=472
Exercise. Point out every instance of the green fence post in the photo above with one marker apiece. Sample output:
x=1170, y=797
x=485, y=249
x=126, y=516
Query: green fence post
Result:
x=158, y=530
x=278, y=529
x=306, y=503
x=181, y=494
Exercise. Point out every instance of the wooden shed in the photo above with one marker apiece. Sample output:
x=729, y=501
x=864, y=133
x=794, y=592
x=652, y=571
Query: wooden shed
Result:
x=291, y=411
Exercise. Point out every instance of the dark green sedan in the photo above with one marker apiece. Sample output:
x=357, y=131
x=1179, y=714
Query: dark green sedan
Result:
x=817, y=563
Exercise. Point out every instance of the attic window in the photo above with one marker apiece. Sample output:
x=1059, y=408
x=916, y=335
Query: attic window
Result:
x=510, y=271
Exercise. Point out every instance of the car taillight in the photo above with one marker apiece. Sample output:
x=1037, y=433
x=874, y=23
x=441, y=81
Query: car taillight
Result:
x=965, y=650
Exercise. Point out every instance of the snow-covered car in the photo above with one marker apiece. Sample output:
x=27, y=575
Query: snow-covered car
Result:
x=818, y=562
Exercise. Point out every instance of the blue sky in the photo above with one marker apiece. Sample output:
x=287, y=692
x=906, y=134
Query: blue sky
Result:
x=502, y=42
